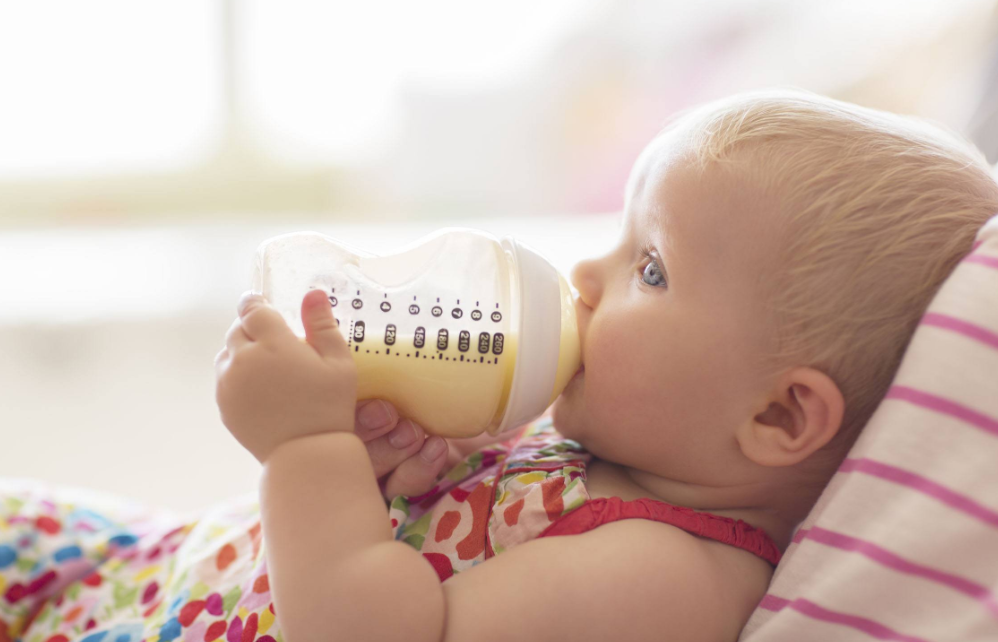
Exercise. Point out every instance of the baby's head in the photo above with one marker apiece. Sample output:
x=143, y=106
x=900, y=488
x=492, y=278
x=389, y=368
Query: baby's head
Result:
x=793, y=243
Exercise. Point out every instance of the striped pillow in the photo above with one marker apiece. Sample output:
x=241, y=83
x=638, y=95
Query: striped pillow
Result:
x=903, y=543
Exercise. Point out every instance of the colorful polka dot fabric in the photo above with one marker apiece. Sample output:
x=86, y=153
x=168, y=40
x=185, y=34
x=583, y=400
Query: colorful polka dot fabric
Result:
x=78, y=566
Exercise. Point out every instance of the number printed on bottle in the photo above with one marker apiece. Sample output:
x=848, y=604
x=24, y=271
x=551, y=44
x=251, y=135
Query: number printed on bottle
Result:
x=420, y=338
x=464, y=341
x=483, y=343
x=442, y=339
x=497, y=340
x=358, y=331
x=390, y=334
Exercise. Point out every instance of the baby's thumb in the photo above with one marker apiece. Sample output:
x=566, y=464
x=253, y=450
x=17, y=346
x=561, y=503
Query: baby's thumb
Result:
x=321, y=331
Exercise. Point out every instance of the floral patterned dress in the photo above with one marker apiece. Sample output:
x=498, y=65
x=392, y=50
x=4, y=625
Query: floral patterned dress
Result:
x=76, y=565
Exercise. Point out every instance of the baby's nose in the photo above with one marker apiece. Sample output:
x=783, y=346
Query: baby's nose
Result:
x=585, y=285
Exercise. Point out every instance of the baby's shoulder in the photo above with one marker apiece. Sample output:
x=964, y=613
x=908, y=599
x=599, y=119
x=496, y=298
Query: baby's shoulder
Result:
x=734, y=579
x=650, y=576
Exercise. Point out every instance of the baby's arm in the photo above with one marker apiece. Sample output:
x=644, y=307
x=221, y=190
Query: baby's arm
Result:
x=333, y=564
x=628, y=580
x=334, y=569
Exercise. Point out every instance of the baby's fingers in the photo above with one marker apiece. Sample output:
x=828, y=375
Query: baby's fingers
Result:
x=373, y=418
x=418, y=474
x=399, y=449
x=390, y=450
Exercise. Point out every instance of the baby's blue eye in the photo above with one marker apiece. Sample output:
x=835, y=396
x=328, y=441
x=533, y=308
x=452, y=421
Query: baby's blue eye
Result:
x=654, y=271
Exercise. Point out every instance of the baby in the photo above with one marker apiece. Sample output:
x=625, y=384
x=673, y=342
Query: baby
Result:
x=778, y=250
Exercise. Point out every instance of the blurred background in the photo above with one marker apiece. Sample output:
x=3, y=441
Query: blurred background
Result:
x=147, y=148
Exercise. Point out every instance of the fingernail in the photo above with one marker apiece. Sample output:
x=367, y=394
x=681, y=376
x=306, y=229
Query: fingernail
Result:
x=432, y=449
x=374, y=415
x=403, y=435
x=324, y=298
x=248, y=297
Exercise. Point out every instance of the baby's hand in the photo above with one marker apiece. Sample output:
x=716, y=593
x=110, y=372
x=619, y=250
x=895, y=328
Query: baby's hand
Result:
x=272, y=387
x=405, y=461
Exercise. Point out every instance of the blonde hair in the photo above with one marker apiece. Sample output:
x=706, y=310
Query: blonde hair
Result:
x=876, y=211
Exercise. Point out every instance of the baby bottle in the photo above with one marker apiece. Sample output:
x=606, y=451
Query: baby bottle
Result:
x=462, y=332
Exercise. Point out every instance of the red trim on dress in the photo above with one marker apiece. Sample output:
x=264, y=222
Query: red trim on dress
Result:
x=604, y=510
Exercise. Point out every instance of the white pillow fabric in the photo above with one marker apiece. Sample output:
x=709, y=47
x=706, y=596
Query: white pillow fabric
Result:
x=903, y=542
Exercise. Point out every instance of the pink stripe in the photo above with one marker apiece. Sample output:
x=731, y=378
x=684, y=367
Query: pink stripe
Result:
x=806, y=607
x=898, y=563
x=944, y=406
x=975, y=332
x=983, y=259
x=921, y=484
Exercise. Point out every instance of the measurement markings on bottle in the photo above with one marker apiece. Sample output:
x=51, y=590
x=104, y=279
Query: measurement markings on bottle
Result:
x=358, y=333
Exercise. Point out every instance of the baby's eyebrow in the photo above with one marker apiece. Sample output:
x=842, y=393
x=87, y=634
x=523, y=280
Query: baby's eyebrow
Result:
x=663, y=239
x=658, y=233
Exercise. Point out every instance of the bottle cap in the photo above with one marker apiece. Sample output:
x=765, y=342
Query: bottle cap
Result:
x=539, y=335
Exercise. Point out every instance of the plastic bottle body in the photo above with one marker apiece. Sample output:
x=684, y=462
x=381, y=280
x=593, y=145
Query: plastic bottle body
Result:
x=433, y=328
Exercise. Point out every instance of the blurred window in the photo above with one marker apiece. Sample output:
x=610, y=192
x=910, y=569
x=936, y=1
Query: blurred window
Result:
x=323, y=79
x=106, y=86
x=114, y=110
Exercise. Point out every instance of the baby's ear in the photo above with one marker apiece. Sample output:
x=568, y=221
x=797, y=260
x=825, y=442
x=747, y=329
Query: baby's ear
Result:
x=804, y=412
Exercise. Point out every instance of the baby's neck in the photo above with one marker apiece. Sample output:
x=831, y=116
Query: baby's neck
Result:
x=777, y=515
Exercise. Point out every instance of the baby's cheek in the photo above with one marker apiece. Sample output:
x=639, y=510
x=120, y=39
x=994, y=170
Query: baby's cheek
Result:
x=611, y=386
x=623, y=363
